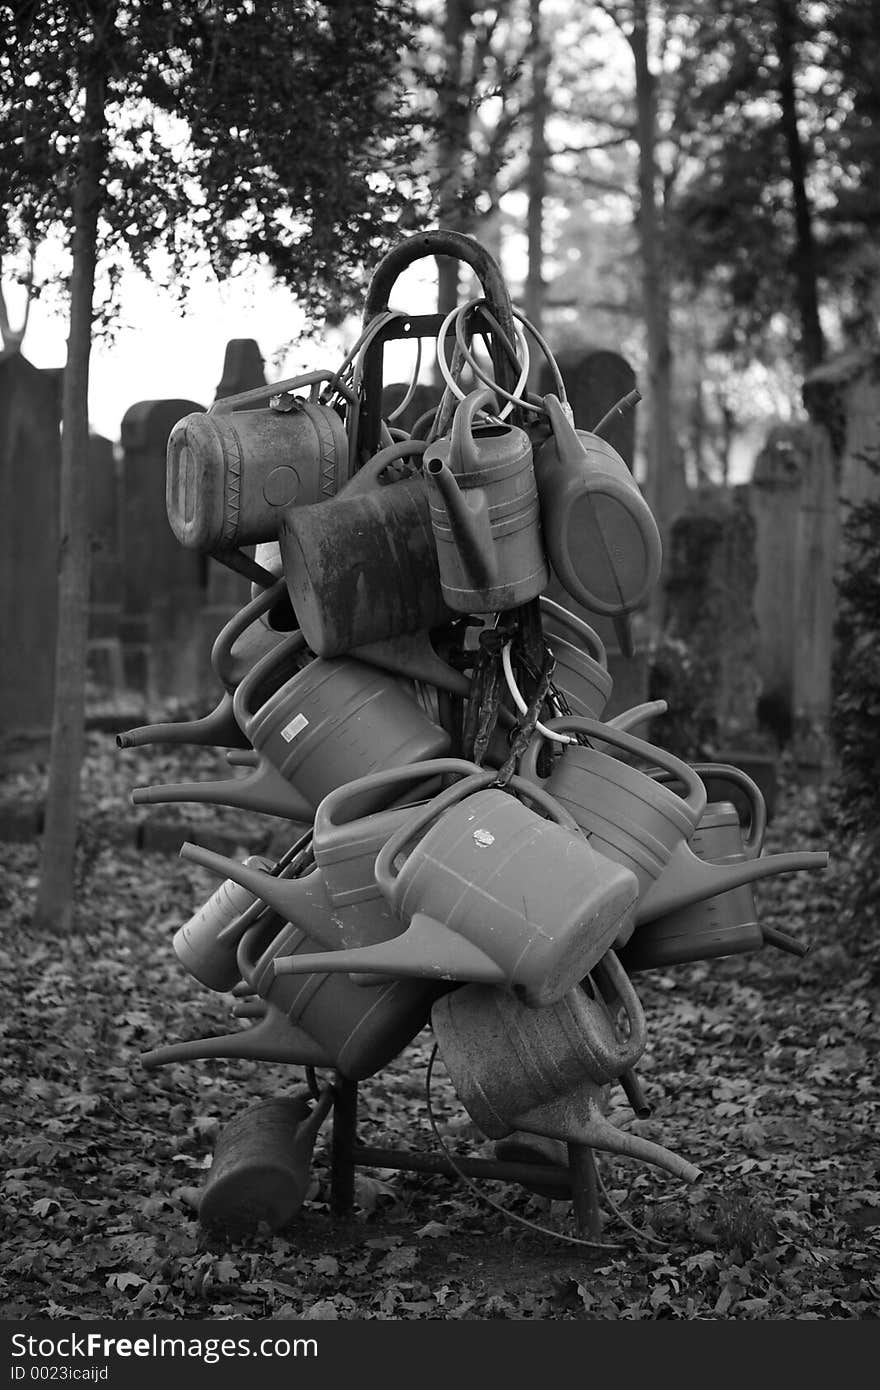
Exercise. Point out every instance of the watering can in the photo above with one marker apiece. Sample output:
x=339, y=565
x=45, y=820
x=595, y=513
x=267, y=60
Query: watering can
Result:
x=271, y=1039
x=485, y=512
x=543, y=1070
x=716, y=864
x=246, y=638
x=628, y=815
x=217, y=729
x=231, y=472
x=200, y=944
x=581, y=674
x=491, y=892
x=261, y=1165
x=362, y=567
x=331, y=721
x=338, y=902
x=600, y=534
x=264, y=790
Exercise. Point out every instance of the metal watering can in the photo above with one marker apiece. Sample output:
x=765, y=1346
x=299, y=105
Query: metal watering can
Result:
x=485, y=513
x=230, y=472
x=542, y=1071
x=599, y=531
x=362, y=567
x=339, y=902
x=491, y=892
x=261, y=1165
x=627, y=814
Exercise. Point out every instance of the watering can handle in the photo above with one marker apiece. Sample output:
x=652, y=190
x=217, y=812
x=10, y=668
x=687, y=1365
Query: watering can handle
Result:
x=328, y=812
x=462, y=454
x=695, y=800
x=484, y=777
x=294, y=642
x=593, y=643
x=754, y=840
x=221, y=652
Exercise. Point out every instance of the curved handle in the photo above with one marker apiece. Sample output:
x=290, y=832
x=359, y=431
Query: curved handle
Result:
x=261, y=670
x=444, y=242
x=367, y=476
x=613, y=1050
x=593, y=643
x=383, y=871
x=694, y=800
x=629, y=718
x=222, y=658
x=328, y=812
x=727, y=772
x=462, y=450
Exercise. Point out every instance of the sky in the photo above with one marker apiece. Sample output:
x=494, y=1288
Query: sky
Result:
x=163, y=351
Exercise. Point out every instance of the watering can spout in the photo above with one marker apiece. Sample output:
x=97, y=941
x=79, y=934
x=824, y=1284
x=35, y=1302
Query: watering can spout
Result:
x=468, y=518
x=303, y=901
x=688, y=879
x=219, y=728
x=273, y=1039
x=265, y=790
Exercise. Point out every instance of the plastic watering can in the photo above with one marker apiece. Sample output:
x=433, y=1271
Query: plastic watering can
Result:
x=491, y=892
x=271, y=1039
x=581, y=674
x=262, y=1161
x=231, y=472
x=331, y=721
x=599, y=531
x=217, y=729
x=362, y=567
x=485, y=513
x=339, y=902
x=627, y=814
x=199, y=943
x=717, y=861
x=543, y=1070
x=242, y=641
x=359, y=1029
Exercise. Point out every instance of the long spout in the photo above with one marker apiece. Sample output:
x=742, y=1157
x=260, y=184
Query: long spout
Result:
x=265, y=790
x=425, y=951
x=303, y=901
x=468, y=516
x=219, y=728
x=271, y=1040
x=687, y=879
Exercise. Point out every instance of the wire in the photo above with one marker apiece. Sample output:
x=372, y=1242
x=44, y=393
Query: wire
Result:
x=521, y=704
x=490, y=1201
x=458, y=315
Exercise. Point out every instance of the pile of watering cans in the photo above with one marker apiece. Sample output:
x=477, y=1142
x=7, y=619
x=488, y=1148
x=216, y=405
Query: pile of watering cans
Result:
x=472, y=846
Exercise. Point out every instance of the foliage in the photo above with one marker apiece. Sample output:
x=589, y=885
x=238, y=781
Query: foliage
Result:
x=276, y=133
x=758, y=1069
x=855, y=722
x=677, y=675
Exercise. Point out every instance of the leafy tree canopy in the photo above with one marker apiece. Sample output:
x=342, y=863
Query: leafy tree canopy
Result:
x=233, y=130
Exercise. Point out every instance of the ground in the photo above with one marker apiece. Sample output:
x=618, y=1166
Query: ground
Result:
x=760, y=1069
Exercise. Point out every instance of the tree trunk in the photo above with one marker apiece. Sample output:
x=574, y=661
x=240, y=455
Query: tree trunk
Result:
x=54, y=901
x=536, y=174
x=812, y=338
x=665, y=487
x=452, y=143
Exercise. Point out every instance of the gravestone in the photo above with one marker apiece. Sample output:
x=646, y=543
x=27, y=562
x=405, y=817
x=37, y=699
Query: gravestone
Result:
x=30, y=463
x=105, y=661
x=164, y=584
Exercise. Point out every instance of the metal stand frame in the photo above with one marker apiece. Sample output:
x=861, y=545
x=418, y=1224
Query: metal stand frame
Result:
x=578, y=1182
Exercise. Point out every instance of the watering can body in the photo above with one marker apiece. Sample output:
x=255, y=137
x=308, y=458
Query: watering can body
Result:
x=199, y=943
x=362, y=567
x=600, y=534
x=489, y=891
x=332, y=721
x=485, y=513
x=627, y=815
x=230, y=475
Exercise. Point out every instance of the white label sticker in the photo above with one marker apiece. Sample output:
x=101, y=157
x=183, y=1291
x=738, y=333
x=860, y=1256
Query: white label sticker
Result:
x=296, y=726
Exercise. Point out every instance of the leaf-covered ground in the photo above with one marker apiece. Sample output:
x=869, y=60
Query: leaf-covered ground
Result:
x=760, y=1069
